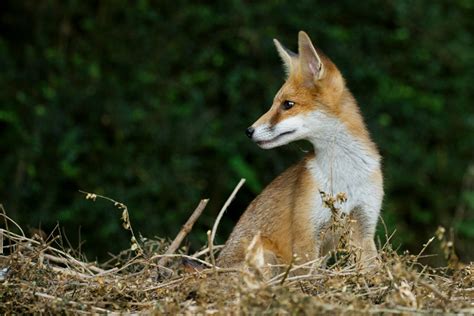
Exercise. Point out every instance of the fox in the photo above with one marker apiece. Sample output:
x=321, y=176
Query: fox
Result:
x=289, y=216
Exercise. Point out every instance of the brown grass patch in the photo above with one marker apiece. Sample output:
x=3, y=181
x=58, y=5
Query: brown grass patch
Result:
x=40, y=275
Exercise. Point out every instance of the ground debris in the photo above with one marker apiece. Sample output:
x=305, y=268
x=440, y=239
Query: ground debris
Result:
x=40, y=278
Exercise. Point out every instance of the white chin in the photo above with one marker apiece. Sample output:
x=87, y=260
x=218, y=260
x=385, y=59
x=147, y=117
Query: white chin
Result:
x=280, y=140
x=266, y=145
x=270, y=144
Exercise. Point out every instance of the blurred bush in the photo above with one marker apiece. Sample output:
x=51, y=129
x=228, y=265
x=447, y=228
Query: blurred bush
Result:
x=147, y=101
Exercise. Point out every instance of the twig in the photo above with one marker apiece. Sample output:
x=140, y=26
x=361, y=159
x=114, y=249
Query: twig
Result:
x=422, y=250
x=84, y=266
x=125, y=217
x=184, y=231
x=224, y=208
x=73, y=303
x=434, y=290
x=70, y=272
x=287, y=270
x=68, y=261
x=175, y=255
x=162, y=285
x=193, y=275
x=298, y=278
x=204, y=251
x=388, y=239
x=211, y=251
x=7, y=218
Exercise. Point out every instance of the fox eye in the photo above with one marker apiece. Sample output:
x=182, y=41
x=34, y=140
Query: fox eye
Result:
x=286, y=105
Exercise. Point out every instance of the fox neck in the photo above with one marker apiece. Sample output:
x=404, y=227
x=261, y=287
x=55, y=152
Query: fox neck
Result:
x=342, y=160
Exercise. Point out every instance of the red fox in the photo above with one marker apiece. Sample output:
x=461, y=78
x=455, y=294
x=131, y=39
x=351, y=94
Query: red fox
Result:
x=289, y=215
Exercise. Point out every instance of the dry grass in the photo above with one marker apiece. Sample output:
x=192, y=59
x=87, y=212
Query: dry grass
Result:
x=40, y=275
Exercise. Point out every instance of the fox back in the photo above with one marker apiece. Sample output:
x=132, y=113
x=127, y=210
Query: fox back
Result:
x=289, y=216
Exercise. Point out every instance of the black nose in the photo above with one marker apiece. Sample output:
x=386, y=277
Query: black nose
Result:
x=249, y=131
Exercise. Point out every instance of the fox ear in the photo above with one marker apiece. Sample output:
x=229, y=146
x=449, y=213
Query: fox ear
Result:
x=287, y=56
x=310, y=63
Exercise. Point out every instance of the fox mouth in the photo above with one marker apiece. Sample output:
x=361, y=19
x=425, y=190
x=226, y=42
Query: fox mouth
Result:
x=264, y=142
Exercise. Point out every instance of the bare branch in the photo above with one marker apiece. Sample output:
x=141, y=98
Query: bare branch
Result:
x=184, y=231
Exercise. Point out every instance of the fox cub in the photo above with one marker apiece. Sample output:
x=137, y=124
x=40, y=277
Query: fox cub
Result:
x=289, y=216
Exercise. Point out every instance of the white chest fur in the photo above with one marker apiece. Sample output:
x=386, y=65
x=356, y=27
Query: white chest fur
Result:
x=344, y=164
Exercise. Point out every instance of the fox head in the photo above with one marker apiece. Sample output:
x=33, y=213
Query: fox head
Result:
x=308, y=101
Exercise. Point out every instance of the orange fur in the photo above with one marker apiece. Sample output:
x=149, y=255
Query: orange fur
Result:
x=280, y=215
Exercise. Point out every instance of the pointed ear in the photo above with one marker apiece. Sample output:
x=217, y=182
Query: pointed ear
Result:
x=311, y=64
x=287, y=56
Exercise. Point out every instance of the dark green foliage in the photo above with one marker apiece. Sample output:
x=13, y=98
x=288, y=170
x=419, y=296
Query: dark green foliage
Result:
x=147, y=102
